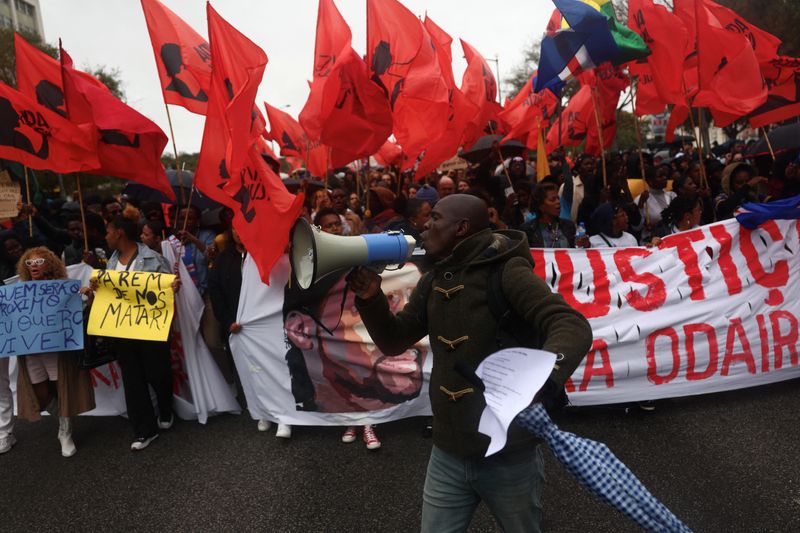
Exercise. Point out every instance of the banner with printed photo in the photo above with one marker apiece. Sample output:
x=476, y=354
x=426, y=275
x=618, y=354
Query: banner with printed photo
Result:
x=305, y=357
x=132, y=305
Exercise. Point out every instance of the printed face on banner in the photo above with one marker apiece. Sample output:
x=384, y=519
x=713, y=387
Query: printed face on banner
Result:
x=132, y=305
x=347, y=371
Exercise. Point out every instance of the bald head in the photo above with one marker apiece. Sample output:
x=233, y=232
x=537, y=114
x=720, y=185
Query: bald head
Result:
x=454, y=219
x=446, y=187
x=458, y=207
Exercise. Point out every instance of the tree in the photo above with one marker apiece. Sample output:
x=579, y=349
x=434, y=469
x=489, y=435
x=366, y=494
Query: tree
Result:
x=779, y=17
x=521, y=73
x=626, y=130
x=8, y=61
x=111, y=77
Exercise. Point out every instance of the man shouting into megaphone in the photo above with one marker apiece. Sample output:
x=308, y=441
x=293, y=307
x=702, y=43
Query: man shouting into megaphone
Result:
x=481, y=296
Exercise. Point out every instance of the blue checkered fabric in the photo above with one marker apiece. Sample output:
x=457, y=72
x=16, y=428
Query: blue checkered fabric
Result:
x=594, y=466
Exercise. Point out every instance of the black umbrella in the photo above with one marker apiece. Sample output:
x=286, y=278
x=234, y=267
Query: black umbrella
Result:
x=782, y=138
x=488, y=146
x=142, y=193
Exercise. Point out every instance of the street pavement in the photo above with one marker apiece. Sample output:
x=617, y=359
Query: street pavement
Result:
x=725, y=462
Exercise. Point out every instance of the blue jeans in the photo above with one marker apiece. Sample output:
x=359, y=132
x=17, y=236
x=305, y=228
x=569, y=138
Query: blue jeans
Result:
x=511, y=491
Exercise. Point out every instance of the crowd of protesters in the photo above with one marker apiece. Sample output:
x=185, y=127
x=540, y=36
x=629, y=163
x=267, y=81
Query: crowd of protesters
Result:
x=578, y=204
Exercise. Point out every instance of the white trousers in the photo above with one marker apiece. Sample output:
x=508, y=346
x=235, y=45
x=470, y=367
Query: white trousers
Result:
x=6, y=400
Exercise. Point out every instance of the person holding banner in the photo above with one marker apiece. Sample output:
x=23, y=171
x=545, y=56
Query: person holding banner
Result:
x=454, y=306
x=143, y=363
x=51, y=377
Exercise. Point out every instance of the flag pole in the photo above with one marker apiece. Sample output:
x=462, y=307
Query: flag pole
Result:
x=697, y=139
x=600, y=136
x=769, y=143
x=175, y=151
x=83, y=212
x=635, y=90
x=28, y=198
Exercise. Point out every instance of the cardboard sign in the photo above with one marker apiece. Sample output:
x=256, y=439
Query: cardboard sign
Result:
x=40, y=317
x=132, y=305
x=9, y=196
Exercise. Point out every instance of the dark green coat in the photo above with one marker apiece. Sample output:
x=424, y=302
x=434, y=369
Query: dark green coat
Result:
x=462, y=328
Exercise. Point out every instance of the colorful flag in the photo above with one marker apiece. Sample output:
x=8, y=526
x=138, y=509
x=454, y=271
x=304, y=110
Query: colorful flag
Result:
x=345, y=109
x=39, y=138
x=582, y=41
x=183, y=58
x=129, y=145
x=630, y=45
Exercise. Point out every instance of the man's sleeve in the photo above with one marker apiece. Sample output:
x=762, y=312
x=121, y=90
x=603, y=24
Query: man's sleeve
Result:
x=563, y=329
x=393, y=334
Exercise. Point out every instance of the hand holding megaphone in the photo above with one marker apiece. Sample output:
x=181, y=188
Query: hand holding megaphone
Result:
x=364, y=282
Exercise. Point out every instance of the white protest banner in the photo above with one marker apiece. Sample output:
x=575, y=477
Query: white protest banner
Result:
x=711, y=309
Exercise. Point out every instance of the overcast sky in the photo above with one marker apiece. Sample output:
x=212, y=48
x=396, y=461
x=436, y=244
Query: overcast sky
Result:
x=113, y=33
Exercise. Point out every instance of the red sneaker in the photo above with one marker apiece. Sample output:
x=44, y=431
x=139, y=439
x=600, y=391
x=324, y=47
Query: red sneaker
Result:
x=349, y=434
x=370, y=439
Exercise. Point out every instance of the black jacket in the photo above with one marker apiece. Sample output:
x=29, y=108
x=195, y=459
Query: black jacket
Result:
x=225, y=284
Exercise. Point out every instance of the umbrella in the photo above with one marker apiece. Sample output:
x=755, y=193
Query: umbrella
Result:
x=782, y=138
x=594, y=466
x=484, y=148
x=143, y=193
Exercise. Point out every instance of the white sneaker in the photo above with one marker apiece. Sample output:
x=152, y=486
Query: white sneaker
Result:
x=65, y=436
x=284, y=431
x=264, y=425
x=142, y=442
x=168, y=423
x=6, y=443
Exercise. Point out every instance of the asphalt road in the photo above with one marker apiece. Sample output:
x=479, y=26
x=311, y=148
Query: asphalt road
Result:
x=723, y=463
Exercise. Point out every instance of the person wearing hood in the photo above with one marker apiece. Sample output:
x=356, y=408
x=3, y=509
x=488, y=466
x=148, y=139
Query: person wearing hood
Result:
x=610, y=221
x=739, y=185
x=451, y=305
x=380, y=204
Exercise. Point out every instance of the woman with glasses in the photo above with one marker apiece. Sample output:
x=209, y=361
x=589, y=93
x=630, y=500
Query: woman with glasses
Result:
x=51, y=381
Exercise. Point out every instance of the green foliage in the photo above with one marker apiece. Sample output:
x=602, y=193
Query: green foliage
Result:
x=522, y=72
x=8, y=63
x=626, y=130
x=111, y=78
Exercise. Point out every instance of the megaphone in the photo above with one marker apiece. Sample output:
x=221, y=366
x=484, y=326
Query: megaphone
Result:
x=316, y=254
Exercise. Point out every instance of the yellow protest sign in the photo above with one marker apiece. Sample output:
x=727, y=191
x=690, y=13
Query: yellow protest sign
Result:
x=132, y=305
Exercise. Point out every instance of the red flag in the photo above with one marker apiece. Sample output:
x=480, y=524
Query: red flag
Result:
x=403, y=60
x=461, y=110
x=782, y=75
x=607, y=82
x=648, y=98
x=390, y=154
x=40, y=138
x=293, y=140
x=183, y=58
x=730, y=79
x=39, y=76
x=129, y=144
x=526, y=112
x=668, y=39
x=480, y=88
x=345, y=109
x=577, y=117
